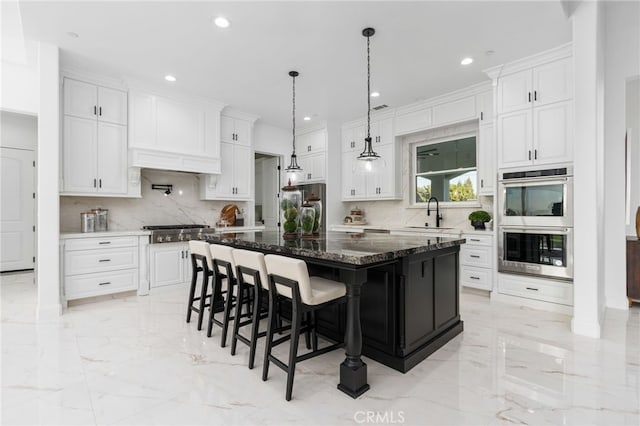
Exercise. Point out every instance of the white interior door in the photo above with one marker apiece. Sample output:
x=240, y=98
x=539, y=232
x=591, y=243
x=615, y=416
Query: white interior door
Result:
x=270, y=189
x=16, y=209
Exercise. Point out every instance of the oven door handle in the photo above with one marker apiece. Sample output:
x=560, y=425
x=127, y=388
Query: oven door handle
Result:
x=536, y=230
x=535, y=180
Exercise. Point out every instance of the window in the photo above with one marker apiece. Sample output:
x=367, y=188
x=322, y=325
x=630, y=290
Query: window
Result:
x=445, y=170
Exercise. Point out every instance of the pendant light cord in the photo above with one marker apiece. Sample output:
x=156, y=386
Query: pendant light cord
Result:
x=294, y=115
x=368, y=92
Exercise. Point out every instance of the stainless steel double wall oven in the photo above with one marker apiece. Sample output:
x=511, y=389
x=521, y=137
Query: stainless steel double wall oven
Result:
x=535, y=233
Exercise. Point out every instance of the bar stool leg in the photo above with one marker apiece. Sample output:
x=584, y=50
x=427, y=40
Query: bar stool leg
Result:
x=271, y=323
x=216, y=291
x=255, y=324
x=296, y=319
x=227, y=310
x=203, y=298
x=314, y=335
x=236, y=323
x=192, y=292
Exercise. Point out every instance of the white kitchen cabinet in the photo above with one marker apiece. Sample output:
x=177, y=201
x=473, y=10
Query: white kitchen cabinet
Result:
x=169, y=263
x=234, y=130
x=519, y=288
x=94, y=152
x=454, y=111
x=311, y=142
x=98, y=265
x=174, y=134
x=540, y=135
x=353, y=137
x=381, y=132
x=476, y=261
x=381, y=185
x=234, y=180
x=484, y=107
x=353, y=184
x=486, y=160
x=94, y=157
x=313, y=167
x=413, y=120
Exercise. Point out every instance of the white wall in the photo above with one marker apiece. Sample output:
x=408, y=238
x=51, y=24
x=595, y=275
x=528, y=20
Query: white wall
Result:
x=19, y=131
x=622, y=61
x=270, y=139
x=633, y=124
x=19, y=82
x=588, y=33
x=47, y=199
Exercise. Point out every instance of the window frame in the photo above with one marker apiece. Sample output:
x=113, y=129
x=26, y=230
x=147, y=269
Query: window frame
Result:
x=414, y=167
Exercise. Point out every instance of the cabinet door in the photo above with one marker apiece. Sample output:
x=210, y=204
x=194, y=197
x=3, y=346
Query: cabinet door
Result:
x=382, y=131
x=112, y=105
x=142, y=126
x=382, y=183
x=224, y=182
x=515, y=139
x=112, y=158
x=79, y=155
x=552, y=82
x=553, y=133
x=180, y=127
x=80, y=99
x=486, y=160
x=348, y=143
x=187, y=269
x=413, y=121
x=484, y=107
x=353, y=184
x=242, y=159
x=227, y=129
x=243, y=132
x=514, y=92
x=167, y=264
x=455, y=111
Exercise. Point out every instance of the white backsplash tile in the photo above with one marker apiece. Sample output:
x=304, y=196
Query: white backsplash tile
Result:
x=182, y=206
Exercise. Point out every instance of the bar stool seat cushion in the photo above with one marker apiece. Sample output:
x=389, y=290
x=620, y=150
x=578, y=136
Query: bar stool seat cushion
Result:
x=313, y=290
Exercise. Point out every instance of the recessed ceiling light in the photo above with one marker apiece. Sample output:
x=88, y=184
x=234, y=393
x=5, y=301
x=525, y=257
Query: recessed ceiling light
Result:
x=221, y=22
x=466, y=61
x=307, y=118
x=375, y=94
x=489, y=52
x=170, y=78
x=72, y=34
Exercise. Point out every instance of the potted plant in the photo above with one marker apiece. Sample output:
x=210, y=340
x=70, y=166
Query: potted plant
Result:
x=478, y=218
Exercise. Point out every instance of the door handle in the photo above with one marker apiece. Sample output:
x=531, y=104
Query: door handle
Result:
x=532, y=288
x=529, y=96
x=535, y=95
x=94, y=110
x=105, y=283
x=100, y=111
x=535, y=154
x=474, y=239
x=529, y=154
x=100, y=183
x=481, y=183
x=104, y=260
x=94, y=183
x=104, y=242
x=474, y=278
x=481, y=115
x=475, y=256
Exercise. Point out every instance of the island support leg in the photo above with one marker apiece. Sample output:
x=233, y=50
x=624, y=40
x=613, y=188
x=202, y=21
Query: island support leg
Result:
x=353, y=371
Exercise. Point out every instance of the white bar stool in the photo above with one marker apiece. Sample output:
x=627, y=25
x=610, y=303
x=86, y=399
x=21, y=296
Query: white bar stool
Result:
x=224, y=288
x=289, y=277
x=201, y=262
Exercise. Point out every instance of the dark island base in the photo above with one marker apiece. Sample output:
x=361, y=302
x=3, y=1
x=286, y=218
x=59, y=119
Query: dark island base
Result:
x=409, y=309
x=406, y=363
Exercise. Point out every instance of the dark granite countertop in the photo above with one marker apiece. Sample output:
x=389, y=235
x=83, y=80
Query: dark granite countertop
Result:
x=354, y=249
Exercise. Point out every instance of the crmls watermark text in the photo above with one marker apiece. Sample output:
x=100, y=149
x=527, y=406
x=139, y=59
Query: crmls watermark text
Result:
x=379, y=417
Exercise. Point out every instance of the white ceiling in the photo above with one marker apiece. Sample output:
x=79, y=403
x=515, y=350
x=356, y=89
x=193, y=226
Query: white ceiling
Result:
x=415, y=53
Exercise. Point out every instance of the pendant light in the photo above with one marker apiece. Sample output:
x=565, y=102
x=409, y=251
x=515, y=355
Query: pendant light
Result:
x=294, y=171
x=368, y=161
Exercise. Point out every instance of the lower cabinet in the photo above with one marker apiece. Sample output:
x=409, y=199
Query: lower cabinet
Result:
x=169, y=263
x=537, y=289
x=476, y=261
x=99, y=265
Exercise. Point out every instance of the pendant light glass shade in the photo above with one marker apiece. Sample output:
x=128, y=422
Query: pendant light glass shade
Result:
x=293, y=171
x=368, y=161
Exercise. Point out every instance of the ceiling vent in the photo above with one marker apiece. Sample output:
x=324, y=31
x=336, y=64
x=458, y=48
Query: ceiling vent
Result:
x=379, y=107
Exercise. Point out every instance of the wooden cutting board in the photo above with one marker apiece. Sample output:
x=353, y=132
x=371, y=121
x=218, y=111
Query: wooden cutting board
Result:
x=228, y=213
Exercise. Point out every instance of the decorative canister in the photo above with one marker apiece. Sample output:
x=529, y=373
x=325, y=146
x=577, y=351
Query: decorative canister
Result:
x=307, y=219
x=289, y=206
x=102, y=219
x=356, y=215
x=315, y=201
x=87, y=222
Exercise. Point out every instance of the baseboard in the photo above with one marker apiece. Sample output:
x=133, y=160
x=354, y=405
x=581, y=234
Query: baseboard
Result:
x=48, y=312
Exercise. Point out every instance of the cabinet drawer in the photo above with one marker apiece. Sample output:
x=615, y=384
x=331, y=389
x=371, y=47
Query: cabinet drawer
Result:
x=90, y=261
x=546, y=290
x=476, y=277
x=478, y=240
x=475, y=256
x=98, y=284
x=100, y=243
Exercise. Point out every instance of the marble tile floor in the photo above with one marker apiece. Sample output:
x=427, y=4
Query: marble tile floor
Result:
x=134, y=361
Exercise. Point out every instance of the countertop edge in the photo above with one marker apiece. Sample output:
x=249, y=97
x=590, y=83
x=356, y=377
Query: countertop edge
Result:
x=68, y=235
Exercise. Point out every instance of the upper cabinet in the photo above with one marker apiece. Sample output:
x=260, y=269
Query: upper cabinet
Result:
x=484, y=107
x=174, y=134
x=535, y=111
x=234, y=130
x=486, y=148
x=311, y=149
x=236, y=162
x=94, y=147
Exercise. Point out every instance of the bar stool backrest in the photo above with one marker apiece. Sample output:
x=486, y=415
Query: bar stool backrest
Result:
x=254, y=260
x=224, y=253
x=202, y=248
x=293, y=269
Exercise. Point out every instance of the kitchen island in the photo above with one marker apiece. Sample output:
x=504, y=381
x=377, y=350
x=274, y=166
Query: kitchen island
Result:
x=402, y=294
